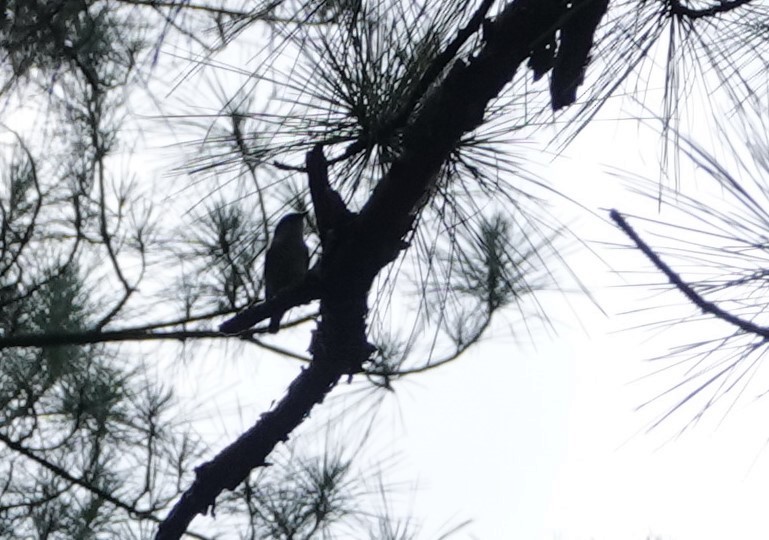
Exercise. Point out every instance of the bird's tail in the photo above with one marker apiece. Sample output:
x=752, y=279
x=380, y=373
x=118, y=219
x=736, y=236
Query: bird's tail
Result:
x=275, y=323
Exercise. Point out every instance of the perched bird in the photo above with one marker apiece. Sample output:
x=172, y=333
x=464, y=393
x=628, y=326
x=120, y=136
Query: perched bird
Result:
x=286, y=261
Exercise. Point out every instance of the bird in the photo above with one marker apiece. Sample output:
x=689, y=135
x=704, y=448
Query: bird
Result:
x=286, y=262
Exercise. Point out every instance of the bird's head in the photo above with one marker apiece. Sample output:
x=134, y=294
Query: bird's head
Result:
x=290, y=225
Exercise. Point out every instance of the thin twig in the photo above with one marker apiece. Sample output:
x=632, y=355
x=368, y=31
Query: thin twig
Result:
x=705, y=305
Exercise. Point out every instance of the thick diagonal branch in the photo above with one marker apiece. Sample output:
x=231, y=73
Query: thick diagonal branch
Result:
x=369, y=241
x=234, y=463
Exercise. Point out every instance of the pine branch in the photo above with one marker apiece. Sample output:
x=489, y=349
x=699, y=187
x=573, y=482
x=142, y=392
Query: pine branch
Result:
x=88, y=486
x=363, y=247
x=90, y=337
x=722, y=6
x=705, y=305
x=234, y=463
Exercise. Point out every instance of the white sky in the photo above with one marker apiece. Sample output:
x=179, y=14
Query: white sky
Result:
x=549, y=446
x=544, y=440
x=567, y=455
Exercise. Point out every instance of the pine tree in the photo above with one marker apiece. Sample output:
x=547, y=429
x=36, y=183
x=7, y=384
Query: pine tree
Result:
x=396, y=126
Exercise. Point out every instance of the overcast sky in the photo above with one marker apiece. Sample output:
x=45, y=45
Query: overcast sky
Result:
x=542, y=438
x=545, y=439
